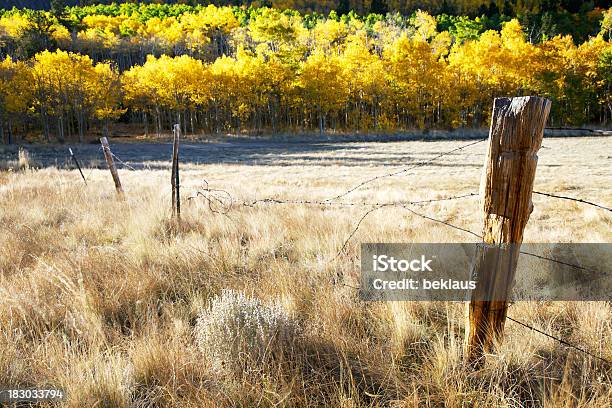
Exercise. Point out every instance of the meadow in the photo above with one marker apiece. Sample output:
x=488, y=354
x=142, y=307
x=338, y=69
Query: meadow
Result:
x=121, y=306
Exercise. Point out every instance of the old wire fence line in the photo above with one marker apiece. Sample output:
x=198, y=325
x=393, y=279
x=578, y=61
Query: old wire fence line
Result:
x=221, y=201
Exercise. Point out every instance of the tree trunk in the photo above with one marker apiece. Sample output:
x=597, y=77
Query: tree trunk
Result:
x=2, y=132
x=146, y=124
x=320, y=121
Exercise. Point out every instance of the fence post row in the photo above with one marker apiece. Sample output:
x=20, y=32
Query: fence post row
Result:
x=176, y=199
x=111, y=165
x=517, y=129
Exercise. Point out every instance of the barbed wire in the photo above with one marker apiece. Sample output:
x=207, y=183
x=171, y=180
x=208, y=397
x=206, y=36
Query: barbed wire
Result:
x=226, y=202
x=272, y=200
x=219, y=201
x=329, y=201
x=446, y=223
x=224, y=198
x=559, y=262
x=405, y=170
x=530, y=327
x=456, y=227
x=121, y=161
x=378, y=206
x=580, y=200
x=404, y=205
x=560, y=340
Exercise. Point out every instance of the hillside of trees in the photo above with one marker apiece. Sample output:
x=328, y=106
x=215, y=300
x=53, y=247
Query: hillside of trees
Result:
x=466, y=7
x=236, y=69
x=548, y=17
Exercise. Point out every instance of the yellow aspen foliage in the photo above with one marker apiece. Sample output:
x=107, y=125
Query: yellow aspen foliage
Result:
x=557, y=56
x=496, y=64
x=425, y=25
x=130, y=28
x=278, y=30
x=165, y=32
x=61, y=36
x=330, y=36
x=212, y=24
x=15, y=94
x=68, y=86
x=106, y=98
x=441, y=44
x=518, y=56
x=417, y=75
x=100, y=31
x=323, y=85
x=15, y=89
x=366, y=81
x=223, y=79
x=176, y=83
x=214, y=18
x=13, y=25
x=606, y=23
x=242, y=69
x=96, y=38
x=111, y=24
x=588, y=55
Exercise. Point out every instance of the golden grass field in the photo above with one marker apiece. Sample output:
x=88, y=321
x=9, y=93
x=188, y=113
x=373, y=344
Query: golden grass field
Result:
x=101, y=297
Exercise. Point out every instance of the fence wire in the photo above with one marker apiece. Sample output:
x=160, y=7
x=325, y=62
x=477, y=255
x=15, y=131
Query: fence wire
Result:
x=402, y=171
x=579, y=200
x=122, y=162
x=221, y=201
x=559, y=339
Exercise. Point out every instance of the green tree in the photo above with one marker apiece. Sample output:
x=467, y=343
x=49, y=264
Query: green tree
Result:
x=37, y=37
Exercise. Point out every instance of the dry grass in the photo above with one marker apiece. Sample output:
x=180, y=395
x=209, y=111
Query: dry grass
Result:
x=101, y=297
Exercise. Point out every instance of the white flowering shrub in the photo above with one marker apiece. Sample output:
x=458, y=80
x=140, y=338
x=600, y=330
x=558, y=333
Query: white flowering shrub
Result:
x=241, y=333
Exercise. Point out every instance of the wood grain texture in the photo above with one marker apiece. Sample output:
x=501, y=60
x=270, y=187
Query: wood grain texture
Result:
x=517, y=129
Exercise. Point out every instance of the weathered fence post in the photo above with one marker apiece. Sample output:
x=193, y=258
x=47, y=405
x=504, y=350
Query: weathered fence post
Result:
x=111, y=165
x=517, y=129
x=176, y=198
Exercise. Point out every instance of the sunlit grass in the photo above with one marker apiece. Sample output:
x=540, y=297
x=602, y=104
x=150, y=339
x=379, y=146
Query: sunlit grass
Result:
x=101, y=296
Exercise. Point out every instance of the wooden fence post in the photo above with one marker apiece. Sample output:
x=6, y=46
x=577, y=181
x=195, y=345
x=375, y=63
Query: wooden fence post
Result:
x=111, y=165
x=517, y=129
x=176, y=198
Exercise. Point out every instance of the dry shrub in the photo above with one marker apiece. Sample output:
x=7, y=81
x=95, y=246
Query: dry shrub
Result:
x=242, y=334
x=24, y=160
x=260, y=351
